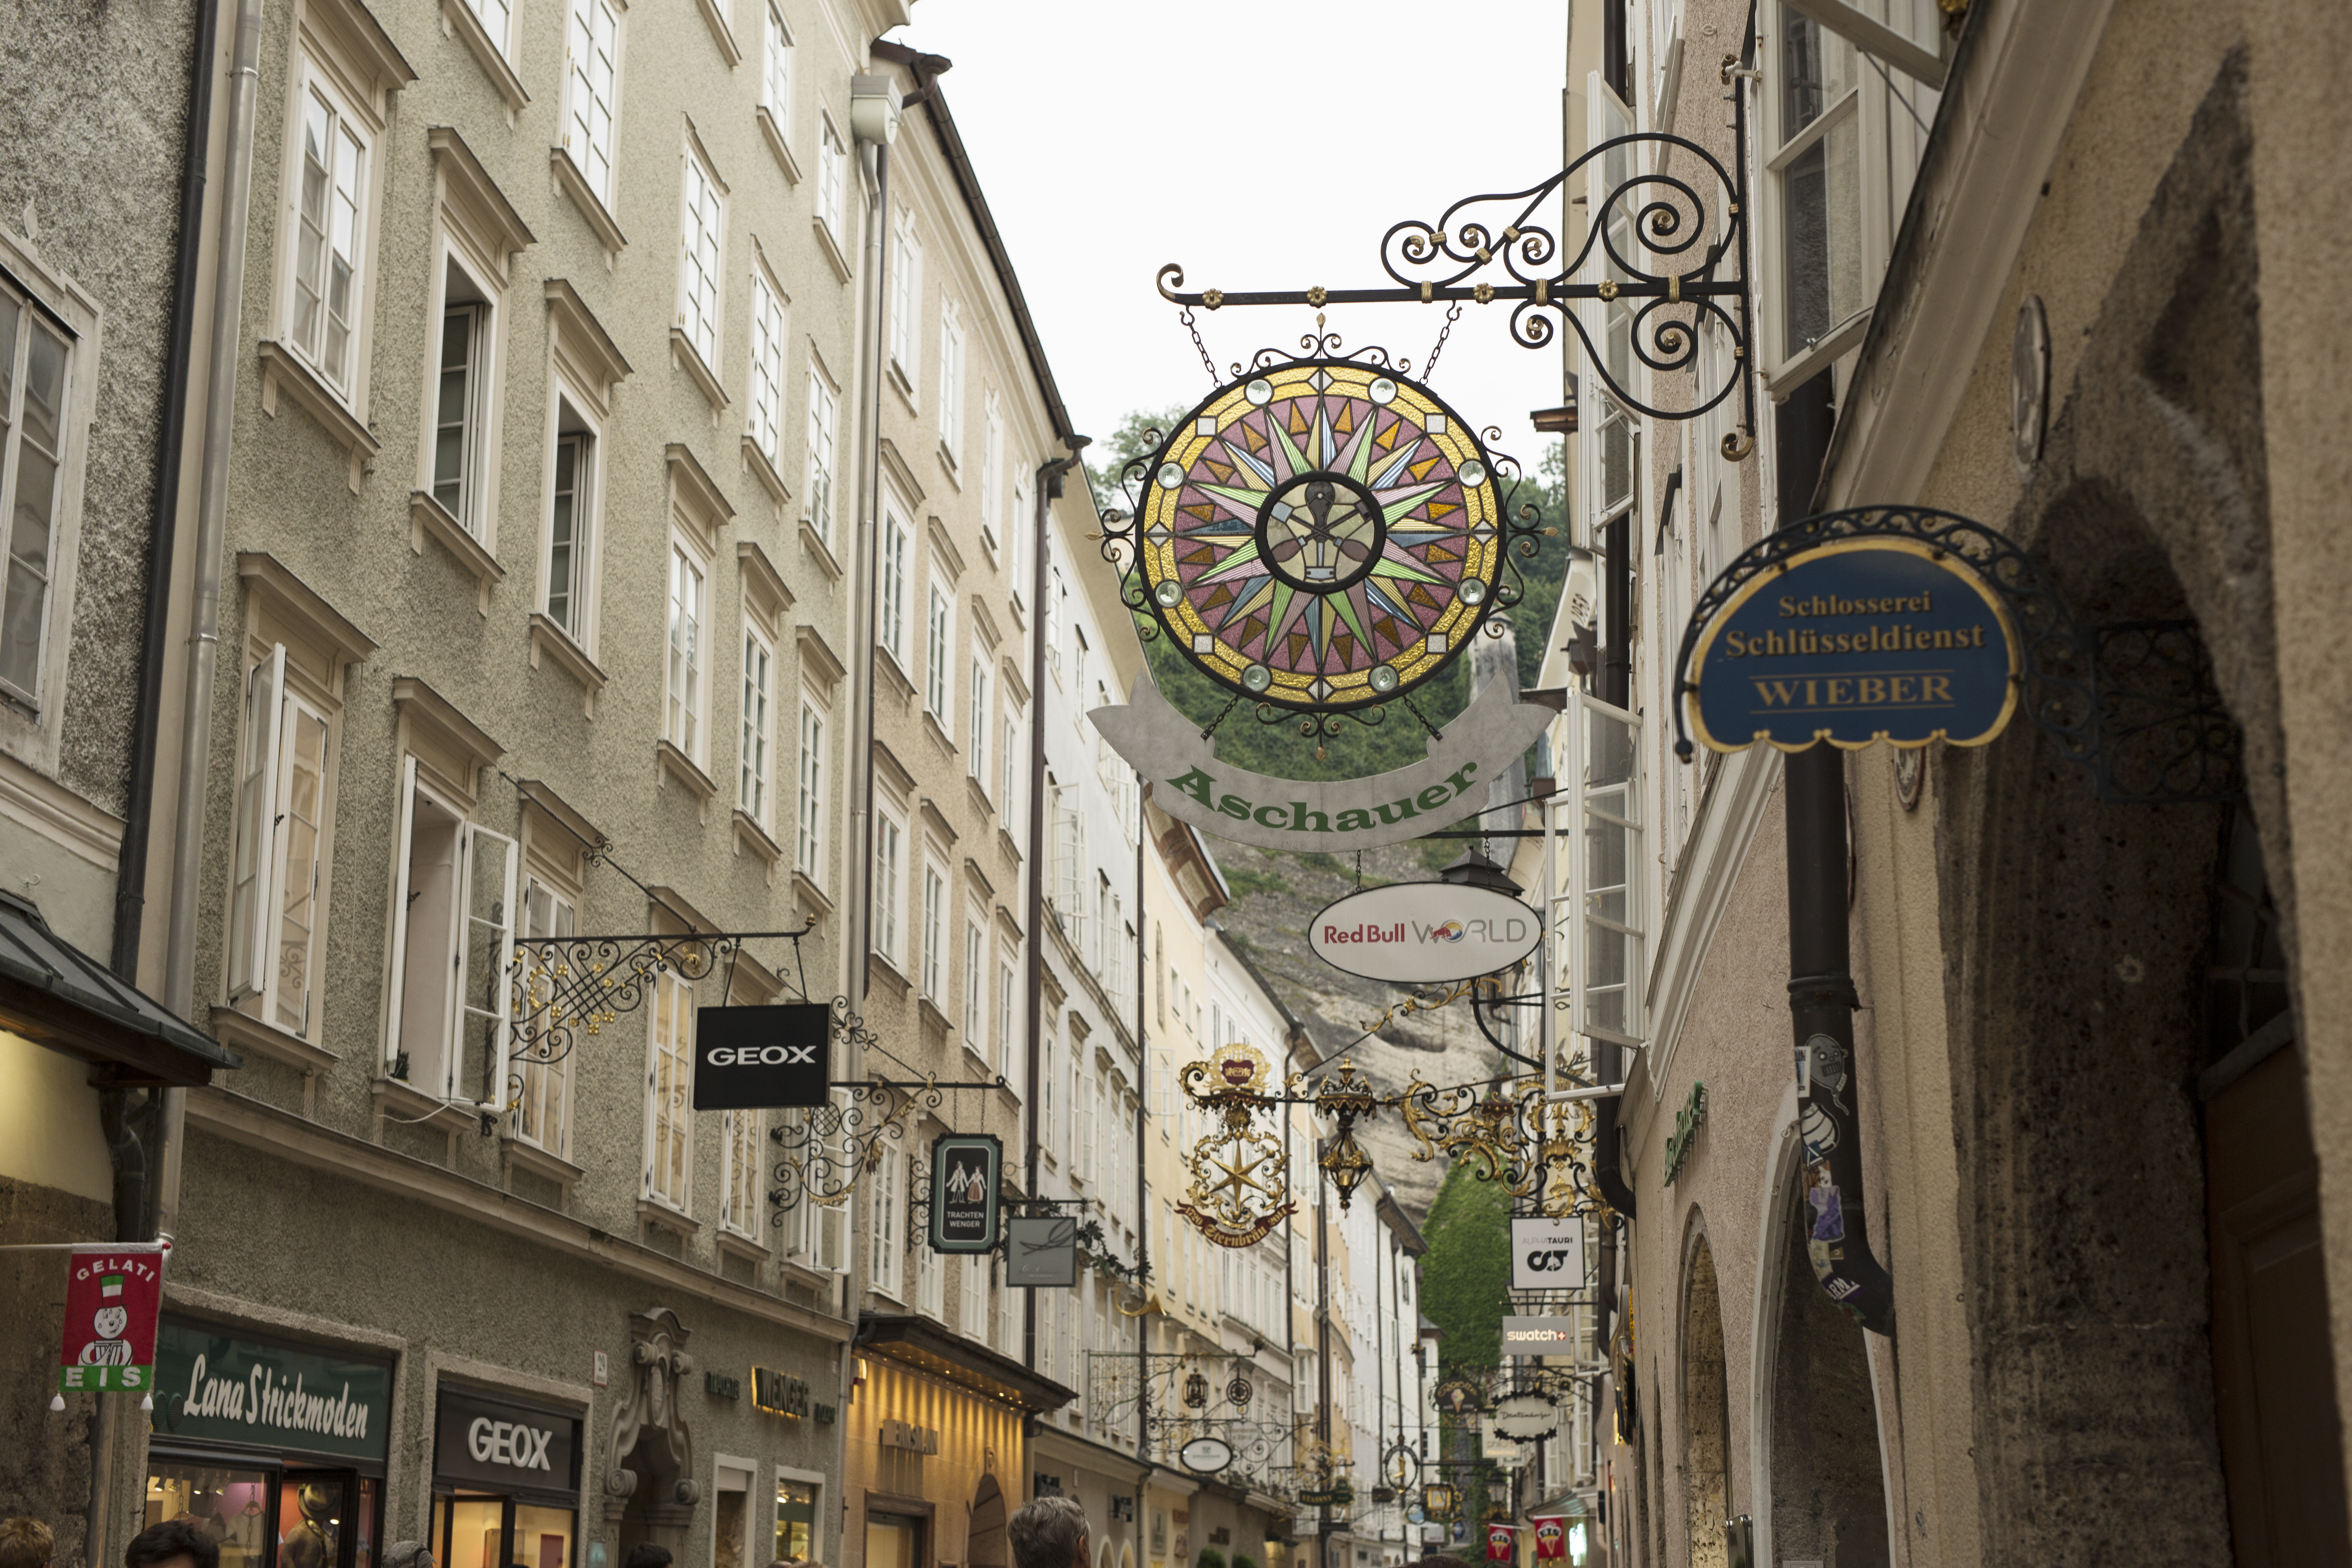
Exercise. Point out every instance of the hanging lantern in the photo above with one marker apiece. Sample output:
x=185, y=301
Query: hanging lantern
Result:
x=1196, y=1389
x=1238, y=1393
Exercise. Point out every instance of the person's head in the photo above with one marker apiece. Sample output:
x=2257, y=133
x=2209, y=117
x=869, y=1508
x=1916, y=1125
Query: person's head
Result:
x=174, y=1544
x=646, y=1554
x=407, y=1554
x=26, y=1543
x=1050, y=1532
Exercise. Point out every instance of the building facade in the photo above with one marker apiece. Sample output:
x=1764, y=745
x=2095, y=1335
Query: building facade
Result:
x=2094, y=1068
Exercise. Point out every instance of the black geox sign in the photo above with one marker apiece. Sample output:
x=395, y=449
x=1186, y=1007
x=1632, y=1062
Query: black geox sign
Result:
x=761, y=1058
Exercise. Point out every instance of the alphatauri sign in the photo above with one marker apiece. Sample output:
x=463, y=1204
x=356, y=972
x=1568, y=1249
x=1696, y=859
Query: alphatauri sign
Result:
x=1424, y=931
x=1191, y=786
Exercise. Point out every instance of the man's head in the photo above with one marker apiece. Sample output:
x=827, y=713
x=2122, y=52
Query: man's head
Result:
x=407, y=1554
x=1048, y=1533
x=174, y=1544
x=647, y=1555
x=26, y=1543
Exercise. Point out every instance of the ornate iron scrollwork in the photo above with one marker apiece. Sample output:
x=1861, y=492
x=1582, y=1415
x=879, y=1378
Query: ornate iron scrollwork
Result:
x=1241, y=1181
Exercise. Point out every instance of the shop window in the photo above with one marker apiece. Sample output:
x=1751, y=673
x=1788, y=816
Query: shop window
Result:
x=796, y=1516
x=452, y=898
x=232, y=1503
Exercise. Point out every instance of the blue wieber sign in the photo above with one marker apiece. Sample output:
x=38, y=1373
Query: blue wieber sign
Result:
x=1855, y=641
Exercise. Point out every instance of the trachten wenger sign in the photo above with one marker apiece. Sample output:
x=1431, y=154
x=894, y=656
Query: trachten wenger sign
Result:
x=965, y=1171
x=1857, y=640
x=762, y=1059
x=1190, y=785
x=1424, y=931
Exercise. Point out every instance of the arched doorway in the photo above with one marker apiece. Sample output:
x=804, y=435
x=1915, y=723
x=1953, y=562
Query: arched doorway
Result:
x=1705, y=1411
x=986, y=1545
x=1829, y=1495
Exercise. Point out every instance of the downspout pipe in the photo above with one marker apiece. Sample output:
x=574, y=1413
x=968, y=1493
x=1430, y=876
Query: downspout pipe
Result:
x=1821, y=997
x=204, y=619
x=1049, y=487
x=1616, y=688
x=1142, y=1115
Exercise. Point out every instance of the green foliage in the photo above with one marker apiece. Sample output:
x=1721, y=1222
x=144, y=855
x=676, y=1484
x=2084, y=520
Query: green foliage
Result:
x=1243, y=1559
x=1247, y=883
x=1210, y=1557
x=1319, y=860
x=1128, y=442
x=1466, y=1277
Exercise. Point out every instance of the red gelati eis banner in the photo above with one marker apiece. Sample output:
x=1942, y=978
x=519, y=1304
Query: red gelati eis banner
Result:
x=1551, y=1540
x=111, y=1297
x=1500, y=1542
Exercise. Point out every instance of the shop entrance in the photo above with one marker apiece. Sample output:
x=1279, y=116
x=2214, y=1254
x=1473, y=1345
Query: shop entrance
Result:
x=894, y=1541
x=506, y=1483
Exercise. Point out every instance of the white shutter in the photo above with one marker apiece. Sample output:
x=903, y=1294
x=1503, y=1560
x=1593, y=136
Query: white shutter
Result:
x=407, y=829
x=488, y=900
x=1596, y=869
x=252, y=899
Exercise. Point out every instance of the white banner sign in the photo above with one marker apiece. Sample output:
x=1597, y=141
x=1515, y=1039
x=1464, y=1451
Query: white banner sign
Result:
x=1191, y=786
x=1424, y=931
x=1547, y=1254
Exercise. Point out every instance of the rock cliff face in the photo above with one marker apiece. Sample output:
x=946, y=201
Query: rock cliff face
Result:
x=1276, y=895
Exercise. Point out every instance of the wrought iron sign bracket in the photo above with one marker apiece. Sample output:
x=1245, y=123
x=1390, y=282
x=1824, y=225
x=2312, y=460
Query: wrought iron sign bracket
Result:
x=567, y=987
x=1652, y=237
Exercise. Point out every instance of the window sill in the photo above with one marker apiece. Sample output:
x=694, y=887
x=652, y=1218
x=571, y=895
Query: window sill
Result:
x=459, y=18
x=426, y=515
x=687, y=357
x=904, y=385
x=980, y=801
x=751, y=835
x=933, y=1016
x=539, y=1162
x=396, y=1100
x=247, y=1033
x=678, y=765
x=774, y=135
x=549, y=638
x=978, y=1063
x=807, y=1276
x=743, y=1246
x=885, y=665
x=881, y=967
x=814, y=543
x=283, y=370
x=831, y=249
x=574, y=184
x=722, y=35
x=808, y=895
x=765, y=472
x=1007, y=848
x=938, y=734
x=950, y=464
x=652, y=1211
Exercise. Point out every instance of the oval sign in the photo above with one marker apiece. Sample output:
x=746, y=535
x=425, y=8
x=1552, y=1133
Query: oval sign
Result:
x=1424, y=931
x=1854, y=641
x=1524, y=1417
x=1205, y=1456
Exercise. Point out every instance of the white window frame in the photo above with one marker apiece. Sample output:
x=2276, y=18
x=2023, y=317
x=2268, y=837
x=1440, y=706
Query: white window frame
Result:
x=1582, y=809
x=544, y=1095
x=935, y=930
x=584, y=551
x=1001, y=1050
x=670, y=1093
x=266, y=855
x=316, y=85
x=890, y=887
x=951, y=342
x=885, y=1228
x=742, y=1134
x=976, y=724
x=992, y=476
x=971, y=1310
x=702, y=256
x=756, y=770
x=481, y=441
x=906, y=336
x=776, y=73
x=31, y=724
x=770, y=328
x=823, y=451
x=809, y=789
x=1009, y=785
x=592, y=39
x=822, y=1231
x=975, y=985
x=832, y=181
x=686, y=676
x=898, y=551
x=939, y=626
x=454, y=1011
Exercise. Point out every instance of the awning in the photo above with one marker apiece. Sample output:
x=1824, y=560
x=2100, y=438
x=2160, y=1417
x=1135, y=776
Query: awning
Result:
x=920, y=1342
x=54, y=994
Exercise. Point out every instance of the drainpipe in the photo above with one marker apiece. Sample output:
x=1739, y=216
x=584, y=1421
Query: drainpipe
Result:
x=1142, y=1128
x=1821, y=998
x=1049, y=491
x=204, y=621
x=1615, y=688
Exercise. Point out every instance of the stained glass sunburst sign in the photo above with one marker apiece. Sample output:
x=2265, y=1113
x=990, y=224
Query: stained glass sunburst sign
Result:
x=1322, y=535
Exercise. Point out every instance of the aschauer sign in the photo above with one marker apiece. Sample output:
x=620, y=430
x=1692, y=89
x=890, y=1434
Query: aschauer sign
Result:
x=1852, y=641
x=1192, y=787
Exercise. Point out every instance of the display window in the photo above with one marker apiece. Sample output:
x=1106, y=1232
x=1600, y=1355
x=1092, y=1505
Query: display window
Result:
x=506, y=1487
x=796, y=1520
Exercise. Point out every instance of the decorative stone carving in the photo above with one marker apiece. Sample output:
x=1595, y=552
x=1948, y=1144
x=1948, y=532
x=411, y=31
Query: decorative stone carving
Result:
x=651, y=1443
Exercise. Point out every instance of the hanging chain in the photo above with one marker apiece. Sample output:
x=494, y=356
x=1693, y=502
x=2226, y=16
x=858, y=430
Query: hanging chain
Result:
x=1452, y=314
x=1185, y=316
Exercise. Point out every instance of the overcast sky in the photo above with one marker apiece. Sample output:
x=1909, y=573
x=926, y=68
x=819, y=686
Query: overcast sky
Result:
x=1261, y=144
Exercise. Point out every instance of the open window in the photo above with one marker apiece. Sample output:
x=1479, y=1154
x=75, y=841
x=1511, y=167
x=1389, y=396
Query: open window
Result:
x=1594, y=902
x=274, y=902
x=461, y=450
x=453, y=926
x=543, y=1088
